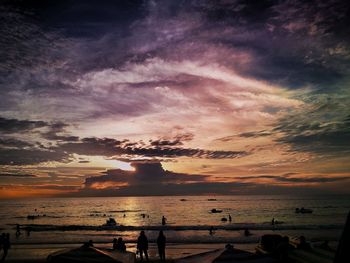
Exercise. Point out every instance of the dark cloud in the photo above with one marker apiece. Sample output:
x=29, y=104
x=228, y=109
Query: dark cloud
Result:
x=144, y=174
x=2, y=174
x=14, y=125
x=11, y=142
x=152, y=179
x=322, y=128
x=31, y=156
x=290, y=179
x=176, y=141
x=111, y=147
x=54, y=133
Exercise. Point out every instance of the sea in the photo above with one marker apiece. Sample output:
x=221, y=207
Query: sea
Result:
x=188, y=218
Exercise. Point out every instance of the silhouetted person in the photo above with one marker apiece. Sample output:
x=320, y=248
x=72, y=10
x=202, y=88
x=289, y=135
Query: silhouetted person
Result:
x=18, y=230
x=120, y=245
x=2, y=239
x=114, y=242
x=163, y=220
x=5, y=246
x=161, y=241
x=273, y=221
x=28, y=229
x=142, y=245
x=229, y=218
x=247, y=232
x=211, y=230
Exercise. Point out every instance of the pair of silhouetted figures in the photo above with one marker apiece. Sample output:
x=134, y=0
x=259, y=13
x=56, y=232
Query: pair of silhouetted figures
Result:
x=4, y=245
x=142, y=245
x=118, y=244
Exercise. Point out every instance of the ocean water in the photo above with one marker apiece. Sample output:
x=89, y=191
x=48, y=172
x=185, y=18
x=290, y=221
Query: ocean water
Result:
x=73, y=220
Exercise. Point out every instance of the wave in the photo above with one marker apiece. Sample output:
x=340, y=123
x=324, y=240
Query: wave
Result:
x=233, y=227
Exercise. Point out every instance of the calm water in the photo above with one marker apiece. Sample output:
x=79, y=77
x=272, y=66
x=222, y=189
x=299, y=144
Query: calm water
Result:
x=192, y=215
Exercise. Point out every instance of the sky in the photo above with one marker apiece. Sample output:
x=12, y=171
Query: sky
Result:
x=118, y=98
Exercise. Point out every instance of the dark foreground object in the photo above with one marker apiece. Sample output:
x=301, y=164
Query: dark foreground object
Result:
x=229, y=255
x=343, y=252
x=236, y=255
x=89, y=254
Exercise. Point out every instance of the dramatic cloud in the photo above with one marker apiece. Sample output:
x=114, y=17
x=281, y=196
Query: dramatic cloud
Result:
x=216, y=88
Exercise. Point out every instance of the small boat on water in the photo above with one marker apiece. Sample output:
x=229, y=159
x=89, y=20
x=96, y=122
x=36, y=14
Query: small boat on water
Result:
x=303, y=210
x=211, y=199
x=224, y=219
x=214, y=211
x=183, y=199
x=110, y=222
x=32, y=217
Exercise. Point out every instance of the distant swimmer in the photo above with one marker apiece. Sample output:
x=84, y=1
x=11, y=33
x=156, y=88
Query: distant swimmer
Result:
x=163, y=220
x=247, y=232
x=211, y=230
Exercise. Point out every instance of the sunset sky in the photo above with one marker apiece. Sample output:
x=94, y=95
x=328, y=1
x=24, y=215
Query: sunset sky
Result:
x=108, y=98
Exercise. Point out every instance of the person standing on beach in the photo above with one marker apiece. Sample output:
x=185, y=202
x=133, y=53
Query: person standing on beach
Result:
x=161, y=241
x=163, y=221
x=142, y=245
x=229, y=218
x=6, y=246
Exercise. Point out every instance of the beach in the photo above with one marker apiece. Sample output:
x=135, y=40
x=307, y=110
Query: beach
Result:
x=59, y=226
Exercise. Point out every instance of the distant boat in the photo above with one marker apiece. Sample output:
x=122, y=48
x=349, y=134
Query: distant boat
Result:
x=214, y=211
x=32, y=217
x=211, y=199
x=110, y=222
x=183, y=200
x=224, y=219
x=303, y=210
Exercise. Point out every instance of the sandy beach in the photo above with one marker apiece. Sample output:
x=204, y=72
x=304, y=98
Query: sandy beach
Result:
x=39, y=252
